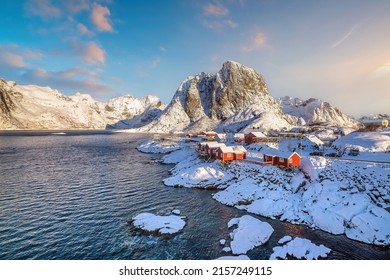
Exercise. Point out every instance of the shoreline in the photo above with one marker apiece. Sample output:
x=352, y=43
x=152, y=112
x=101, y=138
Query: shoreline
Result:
x=194, y=167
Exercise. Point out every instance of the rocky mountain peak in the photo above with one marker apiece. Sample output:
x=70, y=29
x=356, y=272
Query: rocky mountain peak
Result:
x=209, y=100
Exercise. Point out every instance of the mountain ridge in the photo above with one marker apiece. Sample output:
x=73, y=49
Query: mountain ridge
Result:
x=236, y=98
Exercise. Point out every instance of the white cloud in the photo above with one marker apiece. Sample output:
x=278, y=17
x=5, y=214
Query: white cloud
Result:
x=215, y=10
x=219, y=25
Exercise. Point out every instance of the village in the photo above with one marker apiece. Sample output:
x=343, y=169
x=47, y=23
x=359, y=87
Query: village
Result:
x=286, y=149
x=292, y=176
x=229, y=147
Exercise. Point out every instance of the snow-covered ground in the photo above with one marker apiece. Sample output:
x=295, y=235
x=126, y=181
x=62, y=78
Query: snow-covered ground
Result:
x=299, y=248
x=162, y=224
x=337, y=197
x=372, y=145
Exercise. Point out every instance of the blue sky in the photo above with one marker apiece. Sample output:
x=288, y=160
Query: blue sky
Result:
x=338, y=51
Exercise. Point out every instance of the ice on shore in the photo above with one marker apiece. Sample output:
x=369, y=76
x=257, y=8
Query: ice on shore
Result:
x=158, y=146
x=299, y=248
x=163, y=224
x=250, y=233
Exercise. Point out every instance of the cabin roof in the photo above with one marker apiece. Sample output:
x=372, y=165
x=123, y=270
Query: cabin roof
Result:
x=257, y=134
x=240, y=149
x=226, y=149
x=215, y=144
x=277, y=153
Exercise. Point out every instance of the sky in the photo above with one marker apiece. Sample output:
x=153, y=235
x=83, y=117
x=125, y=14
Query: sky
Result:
x=337, y=51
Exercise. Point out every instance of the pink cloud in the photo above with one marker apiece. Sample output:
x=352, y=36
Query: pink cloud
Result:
x=100, y=18
x=215, y=10
x=77, y=71
x=42, y=8
x=83, y=30
x=258, y=41
x=13, y=60
x=93, y=54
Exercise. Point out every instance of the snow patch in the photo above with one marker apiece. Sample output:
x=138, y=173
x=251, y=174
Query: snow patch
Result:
x=163, y=224
x=300, y=248
x=250, y=233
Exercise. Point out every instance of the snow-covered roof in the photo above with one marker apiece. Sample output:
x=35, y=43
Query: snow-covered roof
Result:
x=226, y=149
x=240, y=149
x=278, y=153
x=241, y=135
x=314, y=139
x=215, y=144
x=257, y=134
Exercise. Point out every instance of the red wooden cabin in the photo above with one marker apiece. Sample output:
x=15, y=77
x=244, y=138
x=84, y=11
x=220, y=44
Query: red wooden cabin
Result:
x=250, y=138
x=225, y=153
x=239, y=152
x=287, y=159
x=211, y=148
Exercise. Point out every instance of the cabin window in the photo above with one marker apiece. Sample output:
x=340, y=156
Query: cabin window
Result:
x=281, y=160
x=229, y=154
x=290, y=160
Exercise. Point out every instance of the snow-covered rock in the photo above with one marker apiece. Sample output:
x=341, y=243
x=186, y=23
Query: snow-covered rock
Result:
x=285, y=239
x=158, y=146
x=240, y=257
x=163, y=224
x=193, y=172
x=36, y=107
x=250, y=233
x=176, y=211
x=315, y=111
x=235, y=98
x=300, y=248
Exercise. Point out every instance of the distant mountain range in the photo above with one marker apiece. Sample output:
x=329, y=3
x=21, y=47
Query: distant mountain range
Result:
x=235, y=98
x=35, y=107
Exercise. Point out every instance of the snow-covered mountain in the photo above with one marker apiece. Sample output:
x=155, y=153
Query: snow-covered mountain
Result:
x=234, y=98
x=35, y=107
x=314, y=111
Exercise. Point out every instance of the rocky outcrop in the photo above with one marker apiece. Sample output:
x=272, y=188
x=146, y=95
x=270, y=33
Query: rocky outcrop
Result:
x=316, y=112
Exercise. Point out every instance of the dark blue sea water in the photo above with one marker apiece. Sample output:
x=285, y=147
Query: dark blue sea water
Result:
x=70, y=196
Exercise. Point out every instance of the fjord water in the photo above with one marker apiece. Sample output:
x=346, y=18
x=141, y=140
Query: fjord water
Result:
x=70, y=196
